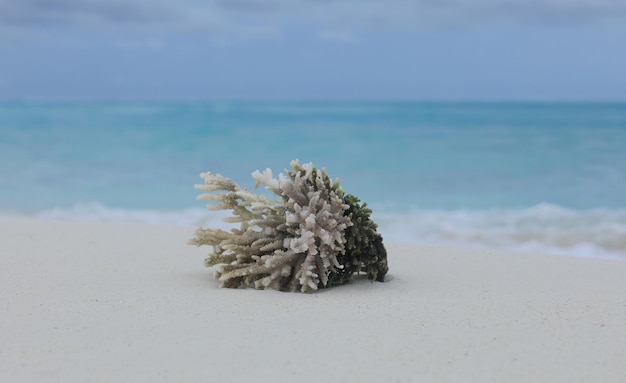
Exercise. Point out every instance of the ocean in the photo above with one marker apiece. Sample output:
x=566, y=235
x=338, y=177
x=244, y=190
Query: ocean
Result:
x=538, y=176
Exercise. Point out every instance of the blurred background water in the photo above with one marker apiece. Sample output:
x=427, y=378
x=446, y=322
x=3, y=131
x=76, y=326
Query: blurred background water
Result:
x=534, y=176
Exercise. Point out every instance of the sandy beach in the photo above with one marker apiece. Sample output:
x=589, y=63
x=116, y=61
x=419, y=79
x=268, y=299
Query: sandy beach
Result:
x=87, y=302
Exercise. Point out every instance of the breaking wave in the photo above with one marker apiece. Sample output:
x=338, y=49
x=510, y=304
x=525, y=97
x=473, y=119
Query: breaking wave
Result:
x=543, y=228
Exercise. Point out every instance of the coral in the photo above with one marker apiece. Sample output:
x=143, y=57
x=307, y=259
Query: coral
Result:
x=364, y=246
x=311, y=236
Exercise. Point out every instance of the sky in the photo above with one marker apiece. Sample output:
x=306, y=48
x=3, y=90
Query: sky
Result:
x=312, y=50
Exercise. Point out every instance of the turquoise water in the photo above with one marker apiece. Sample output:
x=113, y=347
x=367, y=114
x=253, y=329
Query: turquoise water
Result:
x=526, y=176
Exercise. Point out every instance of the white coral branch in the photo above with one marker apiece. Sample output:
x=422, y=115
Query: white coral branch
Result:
x=290, y=243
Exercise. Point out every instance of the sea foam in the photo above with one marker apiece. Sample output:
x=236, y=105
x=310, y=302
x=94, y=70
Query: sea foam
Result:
x=543, y=228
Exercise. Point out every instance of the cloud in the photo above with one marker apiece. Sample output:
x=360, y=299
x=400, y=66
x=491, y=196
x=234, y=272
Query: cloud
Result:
x=330, y=19
x=256, y=6
x=43, y=13
x=548, y=12
x=420, y=14
x=416, y=13
x=137, y=17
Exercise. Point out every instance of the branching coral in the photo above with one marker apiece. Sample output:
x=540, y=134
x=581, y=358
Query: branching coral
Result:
x=311, y=236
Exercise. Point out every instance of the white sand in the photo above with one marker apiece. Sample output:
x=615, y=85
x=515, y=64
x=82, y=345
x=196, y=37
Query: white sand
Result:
x=133, y=303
